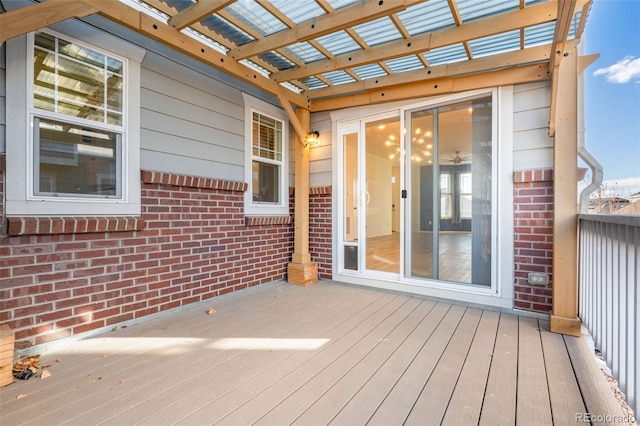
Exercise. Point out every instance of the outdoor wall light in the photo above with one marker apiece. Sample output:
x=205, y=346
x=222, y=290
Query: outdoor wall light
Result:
x=313, y=138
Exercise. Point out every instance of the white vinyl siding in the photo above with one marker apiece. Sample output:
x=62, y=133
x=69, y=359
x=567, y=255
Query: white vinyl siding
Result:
x=532, y=146
x=190, y=123
x=320, y=157
x=3, y=102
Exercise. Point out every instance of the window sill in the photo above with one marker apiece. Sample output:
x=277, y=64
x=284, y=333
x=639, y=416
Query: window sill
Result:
x=72, y=225
x=267, y=220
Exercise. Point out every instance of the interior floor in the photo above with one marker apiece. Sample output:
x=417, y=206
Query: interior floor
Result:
x=383, y=254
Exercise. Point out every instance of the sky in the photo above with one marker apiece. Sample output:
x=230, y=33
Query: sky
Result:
x=612, y=92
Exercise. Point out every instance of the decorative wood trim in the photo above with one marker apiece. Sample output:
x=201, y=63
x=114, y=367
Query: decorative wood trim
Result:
x=72, y=225
x=163, y=178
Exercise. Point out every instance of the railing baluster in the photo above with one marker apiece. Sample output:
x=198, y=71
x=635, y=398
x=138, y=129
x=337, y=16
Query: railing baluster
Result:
x=609, y=294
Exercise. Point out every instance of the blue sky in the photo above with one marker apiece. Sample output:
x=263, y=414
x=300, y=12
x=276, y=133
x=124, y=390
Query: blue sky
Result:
x=612, y=88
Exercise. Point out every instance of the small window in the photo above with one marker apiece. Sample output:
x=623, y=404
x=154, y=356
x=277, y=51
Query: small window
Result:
x=465, y=195
x=445, y=196
x=266, y=157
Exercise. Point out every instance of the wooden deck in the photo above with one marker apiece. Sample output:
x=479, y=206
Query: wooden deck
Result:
x=325, y=354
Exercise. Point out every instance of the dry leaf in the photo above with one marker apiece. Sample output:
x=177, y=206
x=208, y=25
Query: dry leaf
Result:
x=45, y=374
x=58, y=360
x=211, y=311
x=20, y=396
x=104, y=355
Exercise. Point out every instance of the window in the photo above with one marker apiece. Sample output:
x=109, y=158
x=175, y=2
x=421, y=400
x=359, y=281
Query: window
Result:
x=82, y=91
x=445, y=196
x=266, y=159
x=78, y=106
x=465, y=195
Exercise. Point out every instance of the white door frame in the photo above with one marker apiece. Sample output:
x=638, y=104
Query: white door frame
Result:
x=501, y=292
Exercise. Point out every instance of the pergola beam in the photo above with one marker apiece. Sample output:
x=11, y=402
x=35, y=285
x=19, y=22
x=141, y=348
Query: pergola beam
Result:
x=564, y=315
x=532, y=15
x=167, y=35
x=346, y=17
x=196, y=12
x=487, y=63
x=525, y=74
x=31, y=18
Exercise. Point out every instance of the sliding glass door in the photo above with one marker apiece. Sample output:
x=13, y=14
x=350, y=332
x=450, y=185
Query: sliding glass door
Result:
x=449, y=169
x=416, y=194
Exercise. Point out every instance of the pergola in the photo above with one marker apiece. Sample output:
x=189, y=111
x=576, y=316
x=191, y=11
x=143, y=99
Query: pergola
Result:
x=318, y=55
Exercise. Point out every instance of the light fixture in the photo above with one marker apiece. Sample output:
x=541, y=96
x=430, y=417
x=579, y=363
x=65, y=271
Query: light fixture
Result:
x=313, y=138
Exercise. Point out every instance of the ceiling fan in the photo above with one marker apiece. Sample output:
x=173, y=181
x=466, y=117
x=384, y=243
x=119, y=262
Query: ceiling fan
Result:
x=457, y=159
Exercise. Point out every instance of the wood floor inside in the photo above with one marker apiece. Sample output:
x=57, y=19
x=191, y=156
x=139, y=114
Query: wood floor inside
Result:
x=325, y=354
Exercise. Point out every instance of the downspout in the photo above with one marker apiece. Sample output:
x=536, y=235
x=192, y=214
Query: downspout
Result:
x=583, y=153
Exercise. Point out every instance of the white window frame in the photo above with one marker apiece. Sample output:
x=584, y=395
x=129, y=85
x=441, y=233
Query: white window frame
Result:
x=253, y=104
x=462, y=194
x=20, y=197
x=448, y=195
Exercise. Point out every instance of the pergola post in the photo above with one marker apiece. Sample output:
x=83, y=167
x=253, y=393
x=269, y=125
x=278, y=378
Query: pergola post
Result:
x=564, y=315
x=301, y=270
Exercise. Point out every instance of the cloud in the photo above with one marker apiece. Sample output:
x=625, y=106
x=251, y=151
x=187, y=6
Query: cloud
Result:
x=623, y=71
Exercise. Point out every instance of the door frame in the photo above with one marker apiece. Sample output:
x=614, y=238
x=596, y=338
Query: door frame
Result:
x=500, y=294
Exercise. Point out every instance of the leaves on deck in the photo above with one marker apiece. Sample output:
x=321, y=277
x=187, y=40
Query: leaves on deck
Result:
x=211, y=311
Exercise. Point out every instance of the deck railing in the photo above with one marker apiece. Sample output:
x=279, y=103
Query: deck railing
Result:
x=609, y=270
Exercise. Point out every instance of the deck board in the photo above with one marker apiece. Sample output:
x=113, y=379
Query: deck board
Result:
x=566, y=401
x=324, y=354
x=359, y=409
x=499, y=404
x=532, y=402
x=466, y=402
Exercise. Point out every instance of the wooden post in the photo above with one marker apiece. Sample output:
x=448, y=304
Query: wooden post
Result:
x=301, y=270
x=564, y=315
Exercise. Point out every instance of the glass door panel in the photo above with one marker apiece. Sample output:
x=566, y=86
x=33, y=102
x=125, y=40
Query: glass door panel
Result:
x=382, y=195
x=351, y=193
x=449, y=230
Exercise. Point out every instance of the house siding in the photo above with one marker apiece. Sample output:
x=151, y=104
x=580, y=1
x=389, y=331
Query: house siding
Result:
x=3, y=103
x=533, y=195
x=190, y=123
x=532, y=146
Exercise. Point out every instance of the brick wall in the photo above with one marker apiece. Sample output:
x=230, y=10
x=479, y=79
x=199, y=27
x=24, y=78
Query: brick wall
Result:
x=533, y=237
x=192, y=243
x=320, y=228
